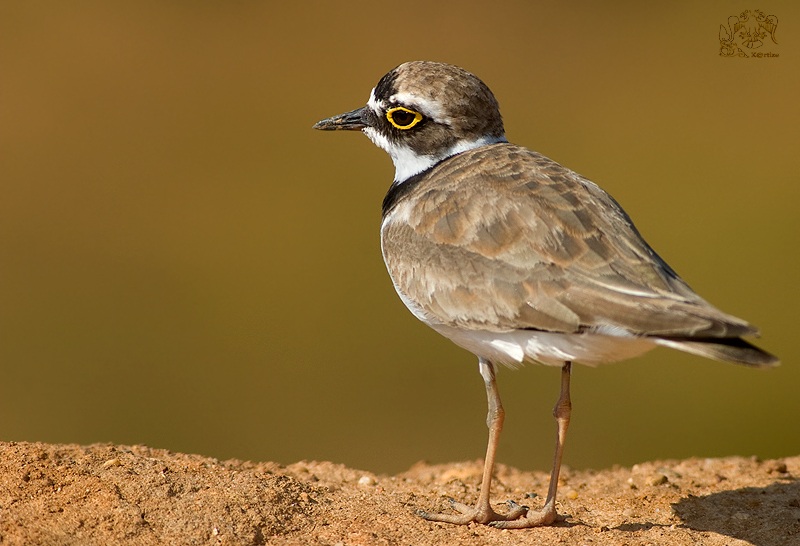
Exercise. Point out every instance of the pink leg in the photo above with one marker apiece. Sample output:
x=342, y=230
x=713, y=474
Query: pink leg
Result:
x=482, y=512
x=561, y=412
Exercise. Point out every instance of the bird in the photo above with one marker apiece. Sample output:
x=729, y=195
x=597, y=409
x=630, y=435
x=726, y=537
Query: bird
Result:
x=518, y=259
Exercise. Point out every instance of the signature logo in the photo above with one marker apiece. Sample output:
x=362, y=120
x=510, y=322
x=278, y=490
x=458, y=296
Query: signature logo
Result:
x=747, y=33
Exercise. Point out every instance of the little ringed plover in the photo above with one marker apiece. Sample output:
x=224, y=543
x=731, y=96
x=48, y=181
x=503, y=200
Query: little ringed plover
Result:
x=518, y=259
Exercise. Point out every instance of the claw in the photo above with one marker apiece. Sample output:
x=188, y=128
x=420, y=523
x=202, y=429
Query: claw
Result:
x=515, y=510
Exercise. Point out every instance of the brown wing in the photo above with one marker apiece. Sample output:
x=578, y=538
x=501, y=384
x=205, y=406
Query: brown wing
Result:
x=503, y=238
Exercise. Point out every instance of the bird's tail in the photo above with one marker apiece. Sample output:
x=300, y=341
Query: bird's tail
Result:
x=732, y=349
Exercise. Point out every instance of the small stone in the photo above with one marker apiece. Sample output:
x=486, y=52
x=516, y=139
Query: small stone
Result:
x=366, y=480
x=112, y=462
x=658, y=479
x=572, y=494
x=776, y=466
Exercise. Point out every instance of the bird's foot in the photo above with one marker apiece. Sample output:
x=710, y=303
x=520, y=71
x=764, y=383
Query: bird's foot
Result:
x=478, y=514
x=545, y=516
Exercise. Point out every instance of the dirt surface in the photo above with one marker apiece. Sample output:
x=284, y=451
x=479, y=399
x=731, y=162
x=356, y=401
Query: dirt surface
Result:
x=111, y=494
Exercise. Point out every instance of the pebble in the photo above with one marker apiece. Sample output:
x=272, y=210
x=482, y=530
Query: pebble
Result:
x=776, y=466
x=112, y=462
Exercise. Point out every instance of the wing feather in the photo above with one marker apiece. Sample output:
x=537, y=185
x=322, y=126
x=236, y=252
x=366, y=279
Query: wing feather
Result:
x=542, y=248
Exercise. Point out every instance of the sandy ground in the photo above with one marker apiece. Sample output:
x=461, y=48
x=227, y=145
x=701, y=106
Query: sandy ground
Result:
x=112, y=494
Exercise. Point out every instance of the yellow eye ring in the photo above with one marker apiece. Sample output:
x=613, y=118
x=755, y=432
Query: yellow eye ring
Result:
x=403, y=118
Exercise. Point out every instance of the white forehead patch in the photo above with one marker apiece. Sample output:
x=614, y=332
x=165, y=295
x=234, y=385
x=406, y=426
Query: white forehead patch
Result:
x=374, y=104
x=432, y=109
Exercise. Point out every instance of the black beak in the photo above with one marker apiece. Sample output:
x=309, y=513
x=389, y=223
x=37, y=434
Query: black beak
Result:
x=350, y=121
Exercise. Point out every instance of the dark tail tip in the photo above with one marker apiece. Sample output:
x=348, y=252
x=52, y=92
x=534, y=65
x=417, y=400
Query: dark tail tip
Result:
x=735, y=350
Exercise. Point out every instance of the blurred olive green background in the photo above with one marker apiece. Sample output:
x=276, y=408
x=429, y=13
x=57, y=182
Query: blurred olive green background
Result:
x=184, y=263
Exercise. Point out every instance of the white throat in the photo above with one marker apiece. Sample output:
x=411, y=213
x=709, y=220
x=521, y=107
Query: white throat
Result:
x=407, y=162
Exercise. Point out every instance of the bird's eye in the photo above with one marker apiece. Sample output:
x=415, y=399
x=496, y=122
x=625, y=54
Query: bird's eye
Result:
x=403, y=118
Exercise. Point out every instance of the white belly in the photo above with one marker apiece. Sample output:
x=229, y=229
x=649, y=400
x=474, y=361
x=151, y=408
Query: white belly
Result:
x=517, y=346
